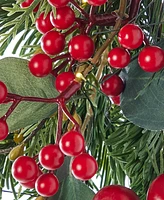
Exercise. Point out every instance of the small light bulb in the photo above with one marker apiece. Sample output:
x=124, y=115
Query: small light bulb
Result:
x=84, y=1
x=79, y=76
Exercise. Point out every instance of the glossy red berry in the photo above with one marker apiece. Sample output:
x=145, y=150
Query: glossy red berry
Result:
x=116, y=100
x=96, y=2
x=65, y=17
x=58, y=3
x=118, y=57
x=43, y=24
x=116, y=192
x=155, y=191
x=63, y=80
x=81, y=47
x=131, y=36
x=84, y=167
x=47, y=185
x=27, y=3
x=51, y=157
x=151, y=59
x=112, y=85
x=24, y=169
x=53, y=42
x=72, y=143
x=4, y=130
x=40, y=65
x=3, y=92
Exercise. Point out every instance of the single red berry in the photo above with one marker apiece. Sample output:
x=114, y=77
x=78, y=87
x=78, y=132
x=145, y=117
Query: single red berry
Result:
x=40, y=65
x=96, y=2
x=31, y=184
x=118, y=57
x=112, y=85
x=47, y=185
x=116, y=192
x=81, y=47
x=3, y=92
x=84, y=166
x=4, y=130
x=27, y=3
x=65, y=17
x=43, y=24
x=155, y=191
x=72, y=143
x=58, y=3
x=51, y=157
x=151, y=59
x=53, y=42
x=116, y=100
x=24, y=169
x=63, y=80
x=131, y=36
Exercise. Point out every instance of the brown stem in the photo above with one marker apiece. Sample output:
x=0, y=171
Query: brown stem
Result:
x=59, y=125
x=79, y=8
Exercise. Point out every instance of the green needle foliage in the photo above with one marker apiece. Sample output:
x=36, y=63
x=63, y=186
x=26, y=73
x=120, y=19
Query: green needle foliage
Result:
x=123, y=145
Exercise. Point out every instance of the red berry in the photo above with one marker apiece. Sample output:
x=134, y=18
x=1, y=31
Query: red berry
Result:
x=24, y=169
x=63, y=80
x=27, y=3
x=116, y=100
x=131, y=36
x=53, y=42
x=43, y=24
x=84, y=166
x=151, y=59
x=81, y=47
x=115, y=192
x=31, y=184
x=58, y=3
x=65, y=17
x=155, y=191
x=96, y=2
x=3, y=92
x=51, y=157
x=72, y=143
x=112, y=86
x=47, y=185
x=40, y=65
x=4, y=130
x=118, y=57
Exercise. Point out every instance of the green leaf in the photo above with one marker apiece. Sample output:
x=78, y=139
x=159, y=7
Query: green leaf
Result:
x=72, y=188
x=143, y=99
x=15, y=74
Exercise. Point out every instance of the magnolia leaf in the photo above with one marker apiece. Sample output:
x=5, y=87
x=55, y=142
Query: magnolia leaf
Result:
x=15, y=74
x=72, y=188
x=142, y=101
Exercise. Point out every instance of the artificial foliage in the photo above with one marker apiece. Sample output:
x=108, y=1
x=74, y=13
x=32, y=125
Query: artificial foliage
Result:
x=126, y=140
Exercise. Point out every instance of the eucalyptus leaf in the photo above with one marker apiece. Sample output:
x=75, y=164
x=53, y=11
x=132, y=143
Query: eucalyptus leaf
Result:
x=71, y=189
x=15, y=74
x=142, y=101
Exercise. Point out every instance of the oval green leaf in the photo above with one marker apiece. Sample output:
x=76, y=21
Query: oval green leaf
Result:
x=15, y=74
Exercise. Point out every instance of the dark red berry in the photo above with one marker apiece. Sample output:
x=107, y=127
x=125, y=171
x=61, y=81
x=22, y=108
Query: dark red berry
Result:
x=151, y=59
x=65, y=17
x=84, y=166
x=96, y=2
x=53, y=42
x=72, y=143
x=118, y=57
x=40, y=65
x=63, y=80
x=131, y=36
x=58, y=3
x=112, y=85
x=24, y=169
x=51, y=157
x=47, y=185
x=81, y=47
x=43, y=24
x=3, y=92
x=4, y=130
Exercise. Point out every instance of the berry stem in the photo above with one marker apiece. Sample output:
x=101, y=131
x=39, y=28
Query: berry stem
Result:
x=79, y=8
x=66, y=55
x=73, y=28
x=59, y=125
x=55, y=71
